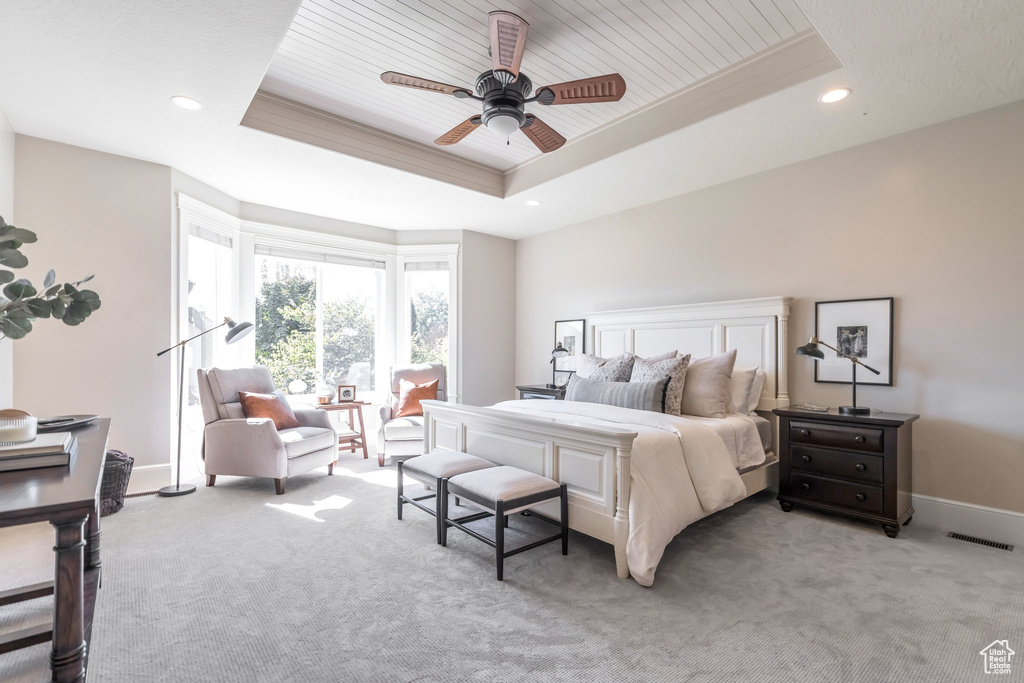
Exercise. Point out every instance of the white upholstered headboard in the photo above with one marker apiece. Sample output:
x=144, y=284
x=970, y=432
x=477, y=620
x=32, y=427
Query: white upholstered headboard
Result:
x=756, y=328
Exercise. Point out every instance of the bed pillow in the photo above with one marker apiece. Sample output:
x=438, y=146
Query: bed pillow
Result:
x=739, y=389
x=636, y=395
x=706, y=392
x=615, y=369
x=273, y=406
x=755, y=390
x=645, y=370
x=662, y=356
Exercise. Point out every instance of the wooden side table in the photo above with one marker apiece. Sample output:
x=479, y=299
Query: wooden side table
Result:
x=351, y=439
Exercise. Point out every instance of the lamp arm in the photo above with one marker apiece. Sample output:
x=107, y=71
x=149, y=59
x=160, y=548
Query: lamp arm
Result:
x=186, y=341
x=852, y=359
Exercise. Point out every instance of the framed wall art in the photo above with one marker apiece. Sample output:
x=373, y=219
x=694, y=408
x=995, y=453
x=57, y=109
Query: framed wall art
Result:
x=862, y=328
x=569, y=335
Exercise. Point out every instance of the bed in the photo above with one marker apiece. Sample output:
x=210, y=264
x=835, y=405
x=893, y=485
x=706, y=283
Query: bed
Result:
x=637, y=478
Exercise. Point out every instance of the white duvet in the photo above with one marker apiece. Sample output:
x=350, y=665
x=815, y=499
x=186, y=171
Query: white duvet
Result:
x=680, y=471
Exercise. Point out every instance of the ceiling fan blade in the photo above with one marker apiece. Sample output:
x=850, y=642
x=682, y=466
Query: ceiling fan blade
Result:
x=608, y=88
x=458, y=132
x=406, y=81
x=541, y=134
x=508, y=38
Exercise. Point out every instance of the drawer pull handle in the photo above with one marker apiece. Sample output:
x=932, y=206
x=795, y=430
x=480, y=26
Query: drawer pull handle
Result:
x=860, y=467
x=805, y=486
x=861, y=497
x=805, y=432
x=806, y=458
x=859, y=439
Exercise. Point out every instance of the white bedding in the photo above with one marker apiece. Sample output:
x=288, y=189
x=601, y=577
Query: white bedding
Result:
x=680, y=471
x=741, y=437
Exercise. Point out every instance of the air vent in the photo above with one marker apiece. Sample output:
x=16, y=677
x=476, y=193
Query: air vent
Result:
x=979, y=541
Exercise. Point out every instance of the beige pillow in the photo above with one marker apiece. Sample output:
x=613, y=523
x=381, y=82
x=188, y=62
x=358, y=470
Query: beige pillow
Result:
x=662, y=356
x=706, y=392
x=739, y=389
x=755, y=390
x=672, y=368
x=615, y=369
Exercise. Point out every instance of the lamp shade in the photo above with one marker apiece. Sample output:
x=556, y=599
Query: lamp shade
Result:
x=559, y=351
x=811, y=350
x=236, y=330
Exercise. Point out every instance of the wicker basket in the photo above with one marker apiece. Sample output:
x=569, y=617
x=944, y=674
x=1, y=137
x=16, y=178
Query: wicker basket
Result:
x=116, y=472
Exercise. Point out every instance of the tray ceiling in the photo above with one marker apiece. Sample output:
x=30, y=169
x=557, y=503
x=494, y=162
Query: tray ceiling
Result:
x=333, y=53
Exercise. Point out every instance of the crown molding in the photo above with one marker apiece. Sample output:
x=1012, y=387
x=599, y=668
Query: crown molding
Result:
x=793, y=61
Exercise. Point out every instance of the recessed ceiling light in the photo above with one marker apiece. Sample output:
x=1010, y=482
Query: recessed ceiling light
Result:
x=834, y=95
x=186, y=102
x=532, y=202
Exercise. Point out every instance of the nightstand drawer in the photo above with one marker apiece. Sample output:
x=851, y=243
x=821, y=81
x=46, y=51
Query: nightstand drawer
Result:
x=855, y=466
x=846, y=494
x=836, y=436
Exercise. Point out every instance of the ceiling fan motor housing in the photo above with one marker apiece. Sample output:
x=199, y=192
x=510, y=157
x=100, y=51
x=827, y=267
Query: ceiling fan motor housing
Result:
x=501, y=99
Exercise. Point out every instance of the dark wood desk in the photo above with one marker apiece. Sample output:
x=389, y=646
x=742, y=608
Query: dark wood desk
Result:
x=67, y=498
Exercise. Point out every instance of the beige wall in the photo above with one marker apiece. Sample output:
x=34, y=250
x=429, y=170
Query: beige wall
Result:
x=108, y=215
x=7, y=211
x=487, y=324
x=934, y=217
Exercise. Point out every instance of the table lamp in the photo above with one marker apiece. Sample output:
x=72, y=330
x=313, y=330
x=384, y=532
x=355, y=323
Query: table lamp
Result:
x=811, y=350
x=558, y=352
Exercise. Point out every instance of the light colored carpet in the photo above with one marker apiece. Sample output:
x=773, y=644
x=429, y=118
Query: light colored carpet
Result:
x=221, y=586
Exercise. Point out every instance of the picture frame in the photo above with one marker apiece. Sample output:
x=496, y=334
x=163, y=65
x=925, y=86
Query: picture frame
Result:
x=859, y=327
x=571, y=335
x=346, y=393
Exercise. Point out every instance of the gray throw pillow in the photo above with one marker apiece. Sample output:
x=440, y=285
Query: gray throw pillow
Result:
x=636, y=395
x=672, y=368
x=615, y=369
x=706, y=392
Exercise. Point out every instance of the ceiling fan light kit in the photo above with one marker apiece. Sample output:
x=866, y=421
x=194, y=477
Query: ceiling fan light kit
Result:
x=504, y=91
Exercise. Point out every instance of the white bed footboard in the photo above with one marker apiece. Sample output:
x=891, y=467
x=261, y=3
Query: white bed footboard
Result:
x=592, y=460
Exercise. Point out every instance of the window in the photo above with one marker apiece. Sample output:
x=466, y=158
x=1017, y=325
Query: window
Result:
x=209, y=300
x=427, y=290
x=319, y=318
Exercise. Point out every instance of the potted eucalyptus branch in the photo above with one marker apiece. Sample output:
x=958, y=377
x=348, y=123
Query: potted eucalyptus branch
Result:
x=21, y=303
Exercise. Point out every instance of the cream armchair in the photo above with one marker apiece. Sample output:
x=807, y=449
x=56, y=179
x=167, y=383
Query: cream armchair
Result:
x=252, y=447
x=400, y=438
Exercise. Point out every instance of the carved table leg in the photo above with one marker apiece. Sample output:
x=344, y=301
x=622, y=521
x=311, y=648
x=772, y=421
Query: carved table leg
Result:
x=68, y=654
x=92, y=540
x=891, y=530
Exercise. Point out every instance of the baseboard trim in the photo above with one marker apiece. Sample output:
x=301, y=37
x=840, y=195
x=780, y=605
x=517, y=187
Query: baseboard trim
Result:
x=149, y=478
x=994, y=524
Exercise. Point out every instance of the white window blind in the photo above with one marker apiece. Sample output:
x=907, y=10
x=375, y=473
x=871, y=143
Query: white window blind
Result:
x=209, y=235
x=318, y=256
x=425, y=266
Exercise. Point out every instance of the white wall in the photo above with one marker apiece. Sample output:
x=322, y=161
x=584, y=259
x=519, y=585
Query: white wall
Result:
x=934, y=217
x=7, y=211
x=487, y=325
x=108, y=215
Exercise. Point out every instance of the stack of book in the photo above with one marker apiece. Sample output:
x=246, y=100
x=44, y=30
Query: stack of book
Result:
x=46, y=450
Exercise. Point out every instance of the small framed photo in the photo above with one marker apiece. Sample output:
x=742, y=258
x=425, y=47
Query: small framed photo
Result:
x=346, y=392
x=861, y=328
x=569, y=335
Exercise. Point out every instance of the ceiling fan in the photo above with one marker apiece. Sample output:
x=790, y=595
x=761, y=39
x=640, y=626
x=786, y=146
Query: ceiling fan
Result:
x=505, y=91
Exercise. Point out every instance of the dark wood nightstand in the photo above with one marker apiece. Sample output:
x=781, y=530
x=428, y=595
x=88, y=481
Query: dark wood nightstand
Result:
x=541, y=391
x=857, y=465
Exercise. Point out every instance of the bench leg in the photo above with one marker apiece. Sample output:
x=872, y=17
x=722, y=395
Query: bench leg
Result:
x=505, y=522
x=457, y=502
x=400, y=491
x=443, y=495
x=441, y=526
x=565, y=519
x=499, y=538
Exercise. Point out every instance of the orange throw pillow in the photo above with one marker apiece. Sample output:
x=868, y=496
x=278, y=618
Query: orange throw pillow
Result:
x=410, y=395
x=273, y=406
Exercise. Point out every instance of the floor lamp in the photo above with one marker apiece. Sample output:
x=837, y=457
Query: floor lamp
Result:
x=235, y=332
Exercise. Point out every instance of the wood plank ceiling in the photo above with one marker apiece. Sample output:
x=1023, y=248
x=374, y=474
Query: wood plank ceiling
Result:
x=334, y=52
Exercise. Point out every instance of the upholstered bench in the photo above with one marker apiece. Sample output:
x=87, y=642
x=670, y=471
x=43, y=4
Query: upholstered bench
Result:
x=431, y=469
x=503, y=491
